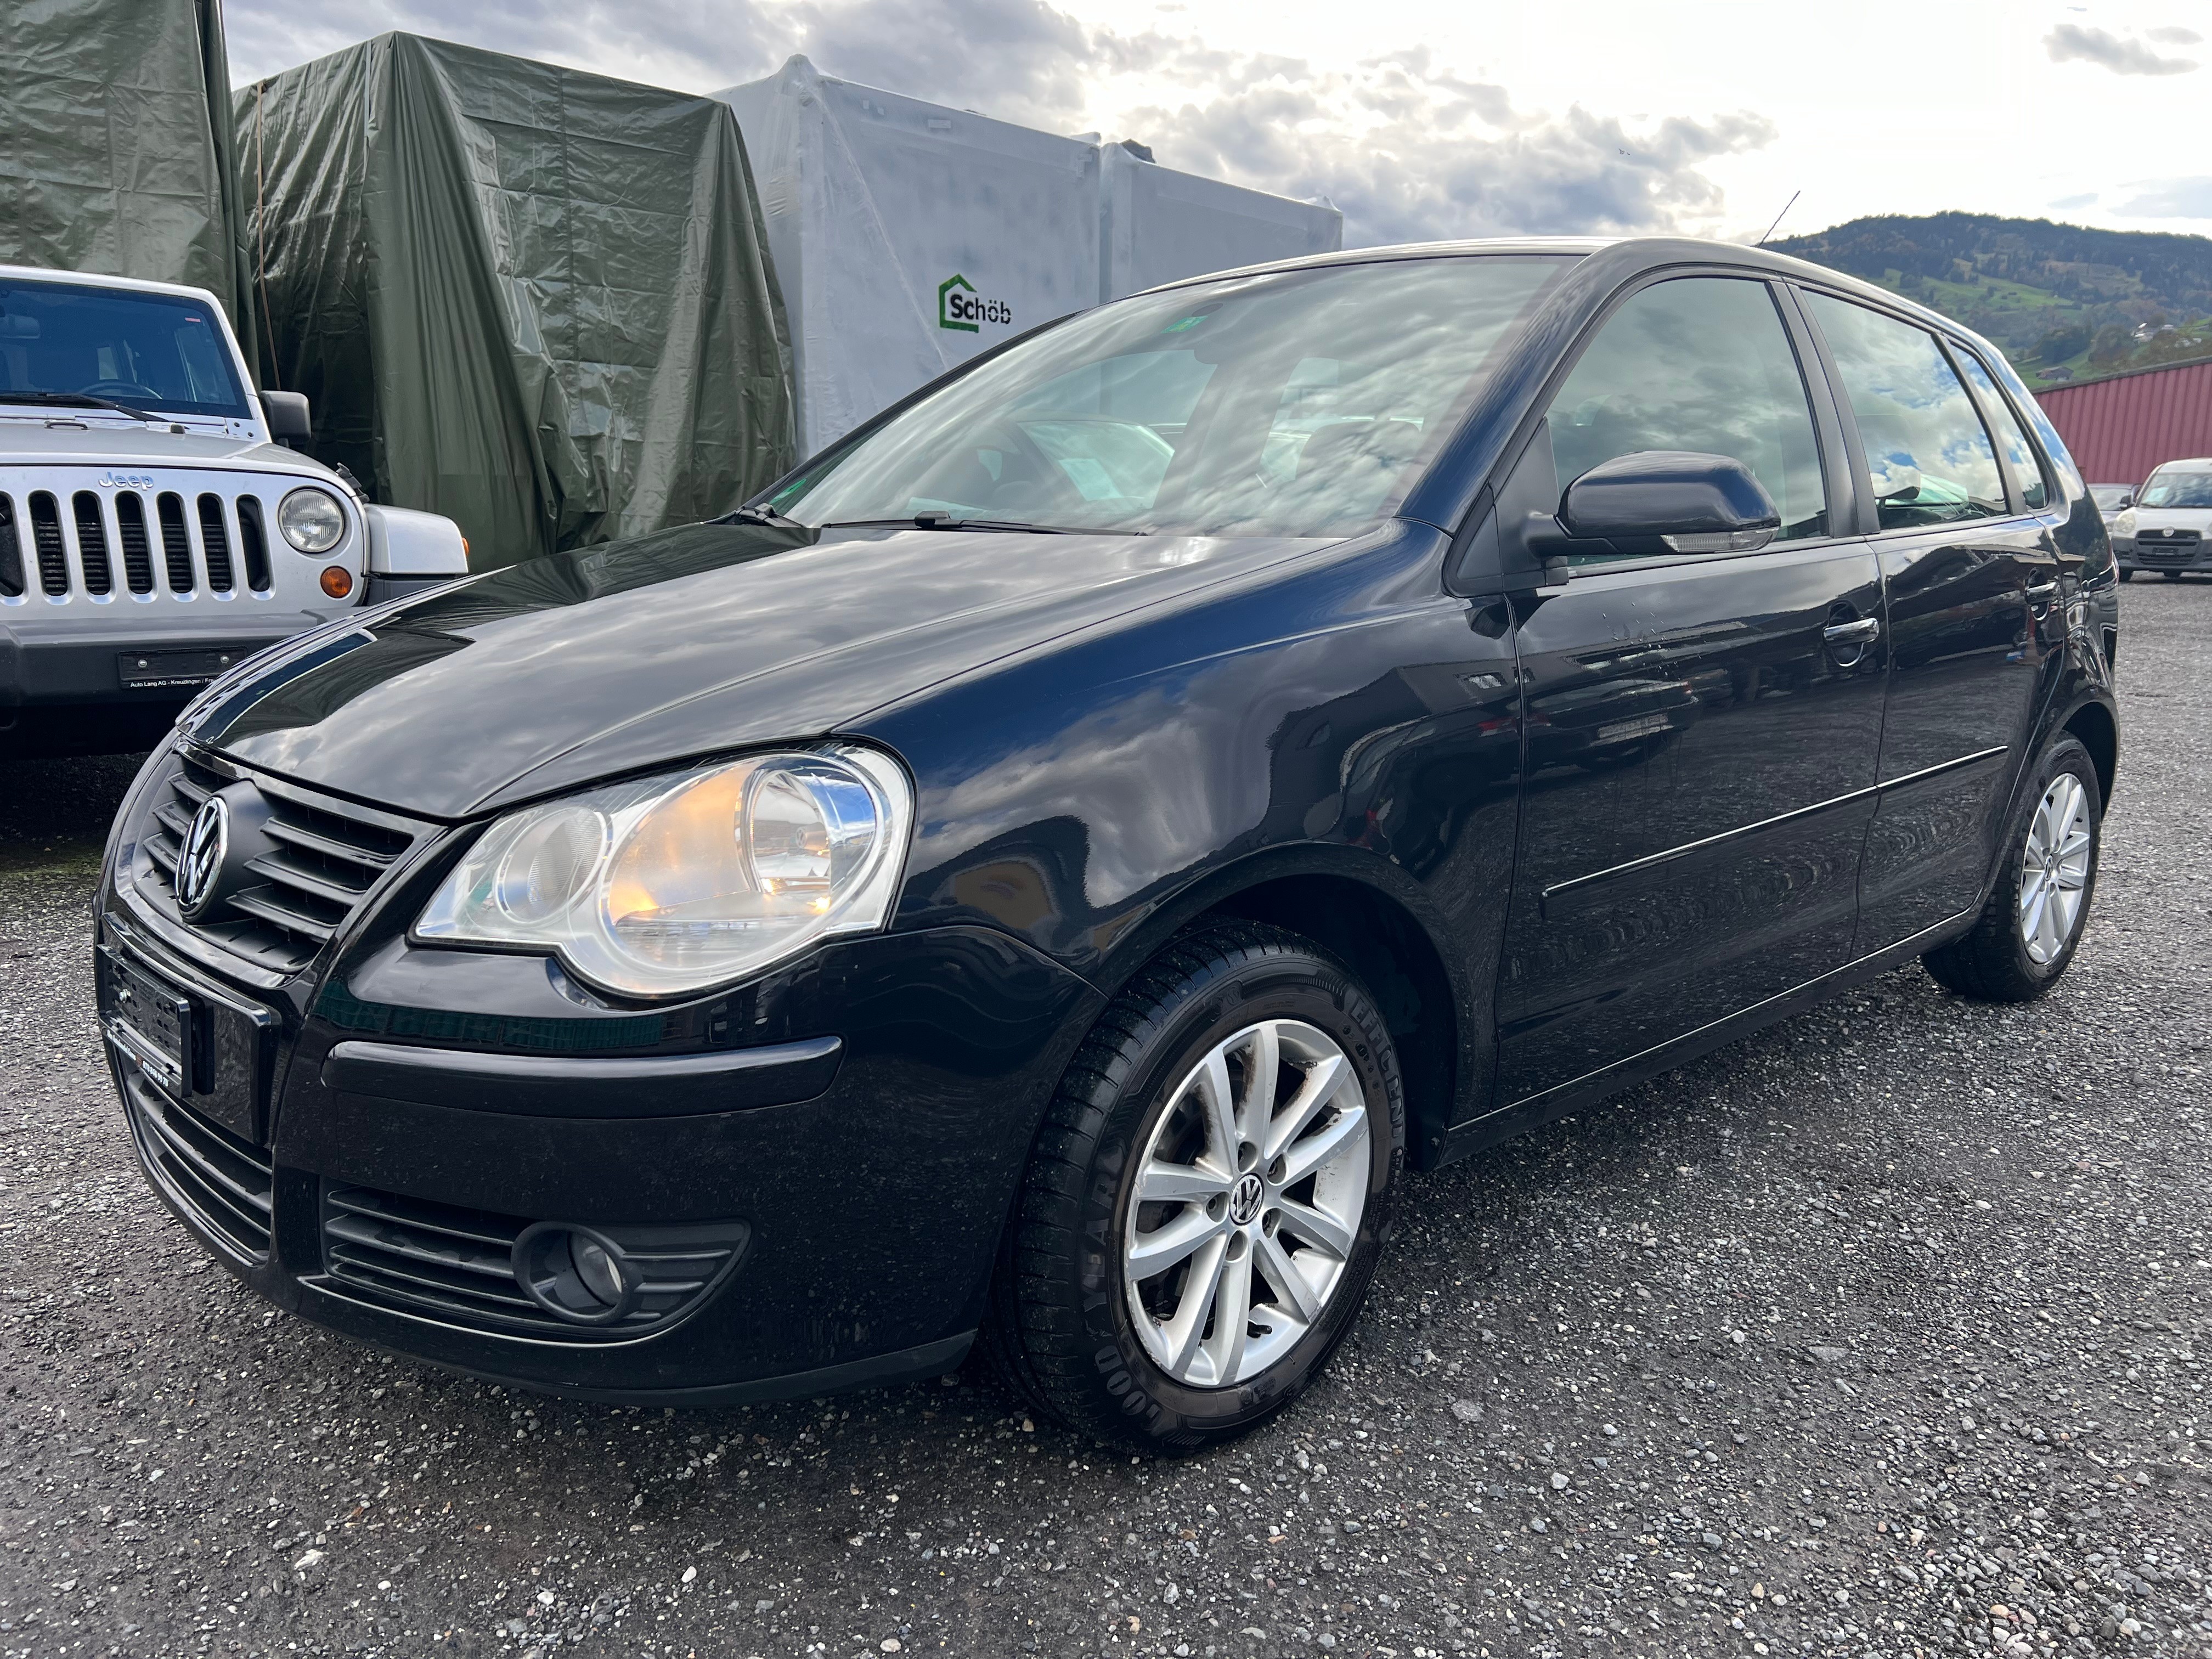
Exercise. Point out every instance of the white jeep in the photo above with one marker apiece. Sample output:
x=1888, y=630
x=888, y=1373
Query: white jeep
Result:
x=153, y=531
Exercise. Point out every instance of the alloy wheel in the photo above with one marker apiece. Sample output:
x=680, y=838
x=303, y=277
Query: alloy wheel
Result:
x=2055, y=869
x=1247, y=1203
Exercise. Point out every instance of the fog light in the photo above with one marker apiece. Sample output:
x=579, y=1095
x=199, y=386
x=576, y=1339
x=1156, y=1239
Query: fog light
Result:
x=337, y=581
x=576, y=1273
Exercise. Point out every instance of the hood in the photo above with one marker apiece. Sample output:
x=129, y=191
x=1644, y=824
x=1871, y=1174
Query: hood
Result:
x=102, y=442
x=561, y=670
x=2171, y=518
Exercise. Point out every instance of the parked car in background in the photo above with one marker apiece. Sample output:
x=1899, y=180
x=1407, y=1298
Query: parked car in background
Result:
x=2113, y=500
x=1049, y=868
x=152, y=533
x=2168, y=526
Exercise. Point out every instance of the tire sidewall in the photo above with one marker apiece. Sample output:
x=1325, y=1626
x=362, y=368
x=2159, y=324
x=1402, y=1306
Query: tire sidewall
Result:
x=1283, y=983
x=2066, y=755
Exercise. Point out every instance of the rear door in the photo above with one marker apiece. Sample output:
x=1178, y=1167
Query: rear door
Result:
x=1703, y=729
x=1970, y=576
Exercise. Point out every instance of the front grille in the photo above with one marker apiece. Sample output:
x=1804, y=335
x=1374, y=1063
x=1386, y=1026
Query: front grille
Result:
x=457, y=1265
x=92, y=542
x=253, y=540
x=176, y=546
x=46, y=538
x=137, y=553
x=327, y=854
x=11, y=553
x=208, y=533
x=221, y=1181
x=215, y=541
x=2167, y=541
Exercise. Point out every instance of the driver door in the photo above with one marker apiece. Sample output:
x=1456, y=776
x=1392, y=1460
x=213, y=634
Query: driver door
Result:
x=1703, y=729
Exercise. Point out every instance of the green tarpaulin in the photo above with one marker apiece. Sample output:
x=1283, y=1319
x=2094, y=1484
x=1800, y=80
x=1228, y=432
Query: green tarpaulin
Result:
x=536, y=300
x=116, y=149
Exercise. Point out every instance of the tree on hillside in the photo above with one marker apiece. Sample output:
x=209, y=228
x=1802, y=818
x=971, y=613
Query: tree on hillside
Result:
x=2069, y=339
x=2113, y=345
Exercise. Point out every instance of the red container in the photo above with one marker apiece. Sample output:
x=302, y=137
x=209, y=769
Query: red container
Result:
x=2121, y=428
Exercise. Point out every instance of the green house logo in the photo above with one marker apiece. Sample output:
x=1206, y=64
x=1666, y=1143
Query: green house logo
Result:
x=960, y=307
x=950, y=305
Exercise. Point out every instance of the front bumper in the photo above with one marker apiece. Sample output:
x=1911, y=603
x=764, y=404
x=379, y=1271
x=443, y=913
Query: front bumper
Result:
x=2141, y=554
x=141, y=663
x=853, y=1129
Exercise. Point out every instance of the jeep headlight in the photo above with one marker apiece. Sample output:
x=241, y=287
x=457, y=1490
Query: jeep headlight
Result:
x=311, y=520
x=688, y=879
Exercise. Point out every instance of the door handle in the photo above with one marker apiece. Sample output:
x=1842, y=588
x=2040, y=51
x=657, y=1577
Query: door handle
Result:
x=2038, y=592
x=1864, y=631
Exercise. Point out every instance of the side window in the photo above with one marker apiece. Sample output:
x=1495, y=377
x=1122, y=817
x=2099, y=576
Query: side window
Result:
x=1930, y=459
x=2012, y=441
x=1700, y=363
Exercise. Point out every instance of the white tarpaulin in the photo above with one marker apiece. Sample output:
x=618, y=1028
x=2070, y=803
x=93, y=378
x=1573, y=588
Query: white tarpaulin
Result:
x=908, y=236
x=1156, y=225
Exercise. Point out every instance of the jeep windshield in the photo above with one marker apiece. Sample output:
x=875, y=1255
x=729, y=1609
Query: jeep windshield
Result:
x=107, y=346
x=1299, y=402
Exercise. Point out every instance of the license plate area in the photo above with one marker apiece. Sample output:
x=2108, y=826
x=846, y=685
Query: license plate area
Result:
x=199, y=1044
x=158, y=670
x=154, y=1023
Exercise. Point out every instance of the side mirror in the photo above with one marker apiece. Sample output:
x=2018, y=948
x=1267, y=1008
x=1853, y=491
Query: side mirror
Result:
x=1670, y=500
x=2127, y=500
x=287, y=415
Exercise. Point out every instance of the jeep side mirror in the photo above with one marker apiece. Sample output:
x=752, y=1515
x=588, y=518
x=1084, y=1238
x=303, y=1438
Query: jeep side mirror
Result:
x=287, y=415
x=1670, y=500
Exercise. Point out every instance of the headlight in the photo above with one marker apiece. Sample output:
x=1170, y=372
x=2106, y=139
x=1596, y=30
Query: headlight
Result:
x=312, y=520
x=688, y=879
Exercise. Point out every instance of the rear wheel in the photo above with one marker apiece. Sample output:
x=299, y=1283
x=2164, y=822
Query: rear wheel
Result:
x=2171, y=575
x=1208, y=1197
x=2028, y=932
x=2126, y=575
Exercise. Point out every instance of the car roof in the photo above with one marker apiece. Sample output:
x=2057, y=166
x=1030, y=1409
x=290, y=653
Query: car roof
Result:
x=2197, y=463
x=1630, y=256
x=97, y=279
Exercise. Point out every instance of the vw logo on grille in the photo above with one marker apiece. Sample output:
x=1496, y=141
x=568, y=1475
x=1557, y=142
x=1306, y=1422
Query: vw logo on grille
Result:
x=200, y=858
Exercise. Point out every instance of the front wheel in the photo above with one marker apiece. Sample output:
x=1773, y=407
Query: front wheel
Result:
x=2028, y=932
x=1208, y=1197
x=2126, y=575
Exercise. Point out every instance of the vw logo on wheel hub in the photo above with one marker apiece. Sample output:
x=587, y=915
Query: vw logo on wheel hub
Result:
x=1245, y=1198
x=200, y=860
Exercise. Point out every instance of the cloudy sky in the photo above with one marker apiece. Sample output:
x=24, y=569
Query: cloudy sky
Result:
x=1425, y=119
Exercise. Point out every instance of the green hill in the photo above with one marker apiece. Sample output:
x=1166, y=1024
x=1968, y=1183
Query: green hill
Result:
x=2065, y=302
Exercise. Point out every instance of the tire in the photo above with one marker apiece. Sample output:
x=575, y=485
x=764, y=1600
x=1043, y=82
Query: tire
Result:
x=2171, y=575
x=1064, y=1328
x=2126, y=575
x=1997, y=961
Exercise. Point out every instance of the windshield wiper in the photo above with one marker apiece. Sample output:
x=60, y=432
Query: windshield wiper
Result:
x=77, y=400
x=755, y=514
x=946, y=521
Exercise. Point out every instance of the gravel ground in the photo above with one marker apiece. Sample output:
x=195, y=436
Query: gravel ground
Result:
x=1882, y=1332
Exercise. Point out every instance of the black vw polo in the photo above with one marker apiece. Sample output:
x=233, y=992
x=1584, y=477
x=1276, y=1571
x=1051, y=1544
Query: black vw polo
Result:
x=1047, y=868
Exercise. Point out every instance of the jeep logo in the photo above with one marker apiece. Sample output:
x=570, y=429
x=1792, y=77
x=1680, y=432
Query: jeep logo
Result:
x=125, y=481
x=959, y=307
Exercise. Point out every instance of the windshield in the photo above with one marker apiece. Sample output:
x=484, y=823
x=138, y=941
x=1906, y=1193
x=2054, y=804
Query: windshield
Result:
x=2109, y=497
x=2177, y=489
x=152, y=351
x=1301, y=402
